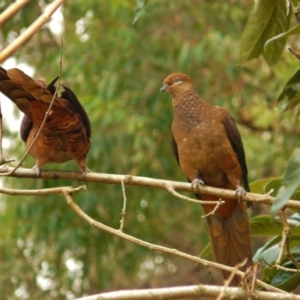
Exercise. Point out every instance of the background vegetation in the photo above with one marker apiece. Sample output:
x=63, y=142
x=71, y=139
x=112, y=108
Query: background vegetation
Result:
x=116, y=69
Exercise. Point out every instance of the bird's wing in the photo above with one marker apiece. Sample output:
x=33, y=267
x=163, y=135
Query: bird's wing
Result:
x=175, y=149
x=71, y=97
x=235, y=140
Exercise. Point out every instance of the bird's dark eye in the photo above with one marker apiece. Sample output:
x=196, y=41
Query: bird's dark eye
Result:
x=177, y=79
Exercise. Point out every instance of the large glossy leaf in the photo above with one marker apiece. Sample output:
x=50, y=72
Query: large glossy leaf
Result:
x=287, y=281
x=263, y=185
x=268, y=19
x=291, y=91
x=291, y=181
x=260, y=252
x=281, y=20
x=264, y=225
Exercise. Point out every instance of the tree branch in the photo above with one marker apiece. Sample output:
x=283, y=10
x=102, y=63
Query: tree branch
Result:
x=144, y=182
x=30, y=31
x=188, y=292
x=151, y=246
x=55, y=190
x=12, y=10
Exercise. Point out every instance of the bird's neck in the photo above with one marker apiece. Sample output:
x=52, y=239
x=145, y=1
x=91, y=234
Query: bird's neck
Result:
x=188, y=105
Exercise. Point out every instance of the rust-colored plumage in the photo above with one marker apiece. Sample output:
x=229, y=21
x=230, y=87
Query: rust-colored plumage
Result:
x=209, y=149
x=66, y=133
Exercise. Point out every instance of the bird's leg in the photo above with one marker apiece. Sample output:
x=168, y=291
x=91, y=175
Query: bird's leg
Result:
x=83, y=166
x=239, y=193
x=38, y=170
x=196, y=184
x=85, y=171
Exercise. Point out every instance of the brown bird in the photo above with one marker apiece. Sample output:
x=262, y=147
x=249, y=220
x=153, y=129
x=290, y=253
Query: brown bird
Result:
x=209, y=150
x=66, y=133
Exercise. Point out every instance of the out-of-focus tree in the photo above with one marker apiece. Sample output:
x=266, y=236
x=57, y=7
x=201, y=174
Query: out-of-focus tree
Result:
x=116, y=69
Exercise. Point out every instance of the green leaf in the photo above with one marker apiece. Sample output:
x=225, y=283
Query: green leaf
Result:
x=261, y=186
x=264, y=225
x=274, y=50
x=292, y=91
x=268, y=255
x=294, y=30
x=287, y=281
x=138, y=9
x=206, y=251
x=291, y=181
x=260, y=252
x=268, y=19
x=274, y=185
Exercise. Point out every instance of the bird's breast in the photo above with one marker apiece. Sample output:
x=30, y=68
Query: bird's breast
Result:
x=203, y=147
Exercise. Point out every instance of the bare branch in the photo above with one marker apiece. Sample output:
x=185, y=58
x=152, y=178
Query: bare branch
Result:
x=284, y=244
x=192, y=291
x=151, y=246
x=12, y=10
x=285, y=233
x=55, y=190
x=295, y=53
x=220, y=202
x=30, y=31
x=143, y=182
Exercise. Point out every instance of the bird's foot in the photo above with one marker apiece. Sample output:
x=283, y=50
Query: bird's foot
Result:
x=239, y=193
x=85, y=171
x=196, y=184
x=38, y=170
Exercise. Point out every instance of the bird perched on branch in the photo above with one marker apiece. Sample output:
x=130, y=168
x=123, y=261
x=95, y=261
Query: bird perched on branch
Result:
x=209, y=150
x=66, y=133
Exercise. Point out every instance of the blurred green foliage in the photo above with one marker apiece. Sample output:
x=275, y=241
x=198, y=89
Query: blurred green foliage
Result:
x=116, y=69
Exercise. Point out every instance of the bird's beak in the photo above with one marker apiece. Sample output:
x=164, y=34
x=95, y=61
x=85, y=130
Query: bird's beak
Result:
x=164, y=88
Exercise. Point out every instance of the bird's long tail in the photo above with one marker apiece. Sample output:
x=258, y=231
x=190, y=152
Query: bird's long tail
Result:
x=230, y=239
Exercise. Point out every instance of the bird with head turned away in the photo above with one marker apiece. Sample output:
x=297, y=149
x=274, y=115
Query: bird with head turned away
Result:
x=66, y=134
x=208, y=147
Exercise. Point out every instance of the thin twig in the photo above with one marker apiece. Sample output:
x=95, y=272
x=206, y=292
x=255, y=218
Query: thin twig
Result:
x=151, y=246
x=285, y=233
x=214, y=210
x=279, y=267
x=2, y=159
x=144, y=182
x=288, y=6
x=291, y=257
x=172, y=191
x=47, y=113
x=12, y=10
x=123, y=213
x=284, y=244
x=30, y=31
x=229, y=279
x=296, y=54
x=254, y=272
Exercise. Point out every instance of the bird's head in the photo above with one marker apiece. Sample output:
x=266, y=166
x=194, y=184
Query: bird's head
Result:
x=177, y=83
